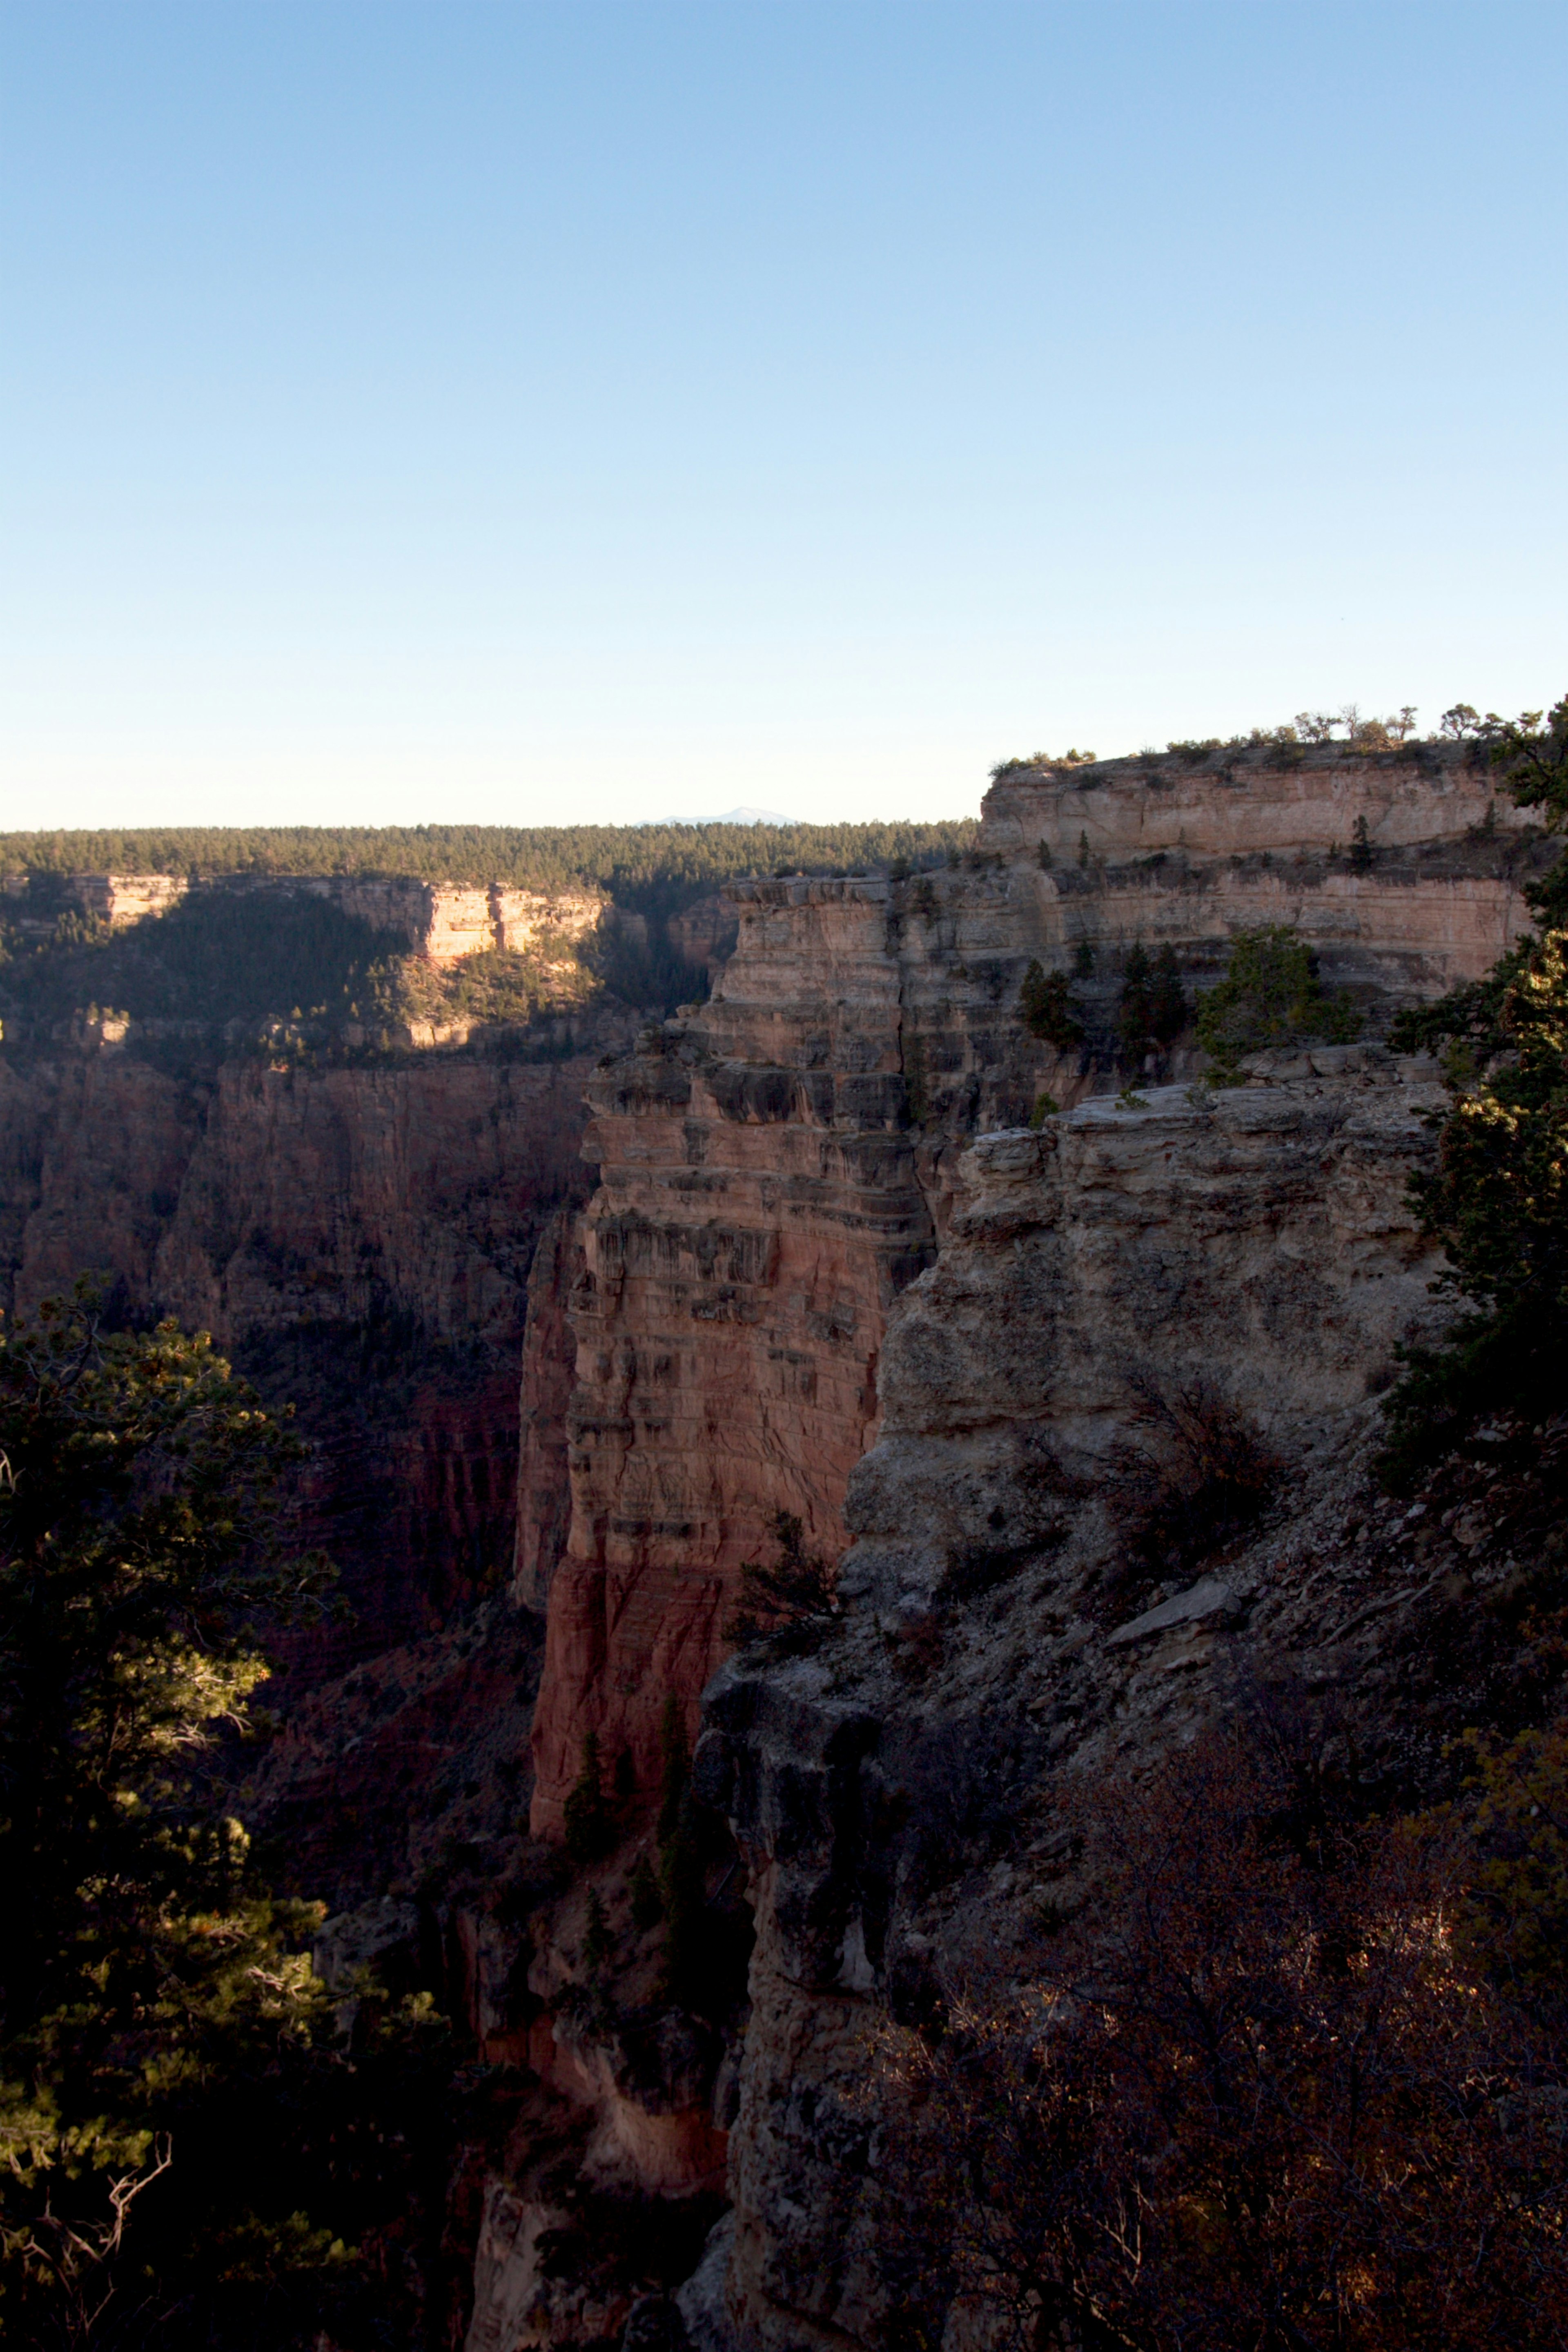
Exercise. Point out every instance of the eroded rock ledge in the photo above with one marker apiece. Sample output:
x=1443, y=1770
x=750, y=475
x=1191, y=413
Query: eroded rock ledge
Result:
x=776, y=1165
x=887, y=1789
x=832, y=1269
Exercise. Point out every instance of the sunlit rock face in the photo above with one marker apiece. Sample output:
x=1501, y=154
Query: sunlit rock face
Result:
x=777, y=1166
x=1241, y=800
x=442, y=921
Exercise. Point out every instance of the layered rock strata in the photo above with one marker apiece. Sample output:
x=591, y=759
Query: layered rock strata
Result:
x=776, y=1165
x=893, y=1791
x=359, y=1238
x=442, y=921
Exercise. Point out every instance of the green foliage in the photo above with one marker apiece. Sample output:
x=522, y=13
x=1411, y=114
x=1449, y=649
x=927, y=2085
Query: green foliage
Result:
x=1083, y=961
x=1360, y=859
x=1270, y=996
x=589, y=1823
x=216, y=957
x=1048, y=1009
x=791, y=1604
x=1023, y=763
x=1153, y=1009
x=1046, y=1106
x=1361, y=734
x=1169, y=1011
x=251, y=955
x=1136, y=1010
x=1531, y=753
x=1497, y=1199
x=194, y=2155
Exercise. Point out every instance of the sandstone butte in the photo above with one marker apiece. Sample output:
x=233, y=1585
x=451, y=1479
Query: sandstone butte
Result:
x=775, y=1166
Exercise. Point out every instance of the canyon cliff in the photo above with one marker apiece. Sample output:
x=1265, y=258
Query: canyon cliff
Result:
x=896, y=1792
x=359, y=1239
x=775, y=1166
x=850, y=1258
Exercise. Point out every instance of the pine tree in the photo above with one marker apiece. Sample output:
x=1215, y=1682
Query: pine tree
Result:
x=588, y=1824
x=1169, y=1011
x=184, y=2130
x=1135, y=1015
x=1050, y=1012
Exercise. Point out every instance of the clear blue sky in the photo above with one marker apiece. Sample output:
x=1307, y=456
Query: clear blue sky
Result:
x=535, y=410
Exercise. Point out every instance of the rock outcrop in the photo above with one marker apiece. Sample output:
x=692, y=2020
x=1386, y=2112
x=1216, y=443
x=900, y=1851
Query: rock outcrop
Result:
x=775, y=1166
x=1241, y=800
x=1254, y=1253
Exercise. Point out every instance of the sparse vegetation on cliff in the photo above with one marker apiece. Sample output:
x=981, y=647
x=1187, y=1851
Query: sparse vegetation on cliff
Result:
x=1269, y=2081
x=1270, y=997
x=1050, y=1010
x=790, y=1604
x=589, y=1822
x=303, y=977
x=1202, y=1477
x=215, y=958
x=1498, y=1198
x=1154, y=1008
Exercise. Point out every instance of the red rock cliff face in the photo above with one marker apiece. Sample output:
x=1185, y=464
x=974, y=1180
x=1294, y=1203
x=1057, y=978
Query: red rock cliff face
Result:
x=783, y=1163
x=359, y=1237
x=758, y=1210
x=549, y=1363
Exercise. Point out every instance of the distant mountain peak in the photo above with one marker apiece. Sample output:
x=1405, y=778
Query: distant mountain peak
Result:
x=728, y=816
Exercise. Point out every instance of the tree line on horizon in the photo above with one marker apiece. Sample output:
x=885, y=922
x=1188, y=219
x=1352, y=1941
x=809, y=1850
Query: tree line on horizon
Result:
x=627, y=860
